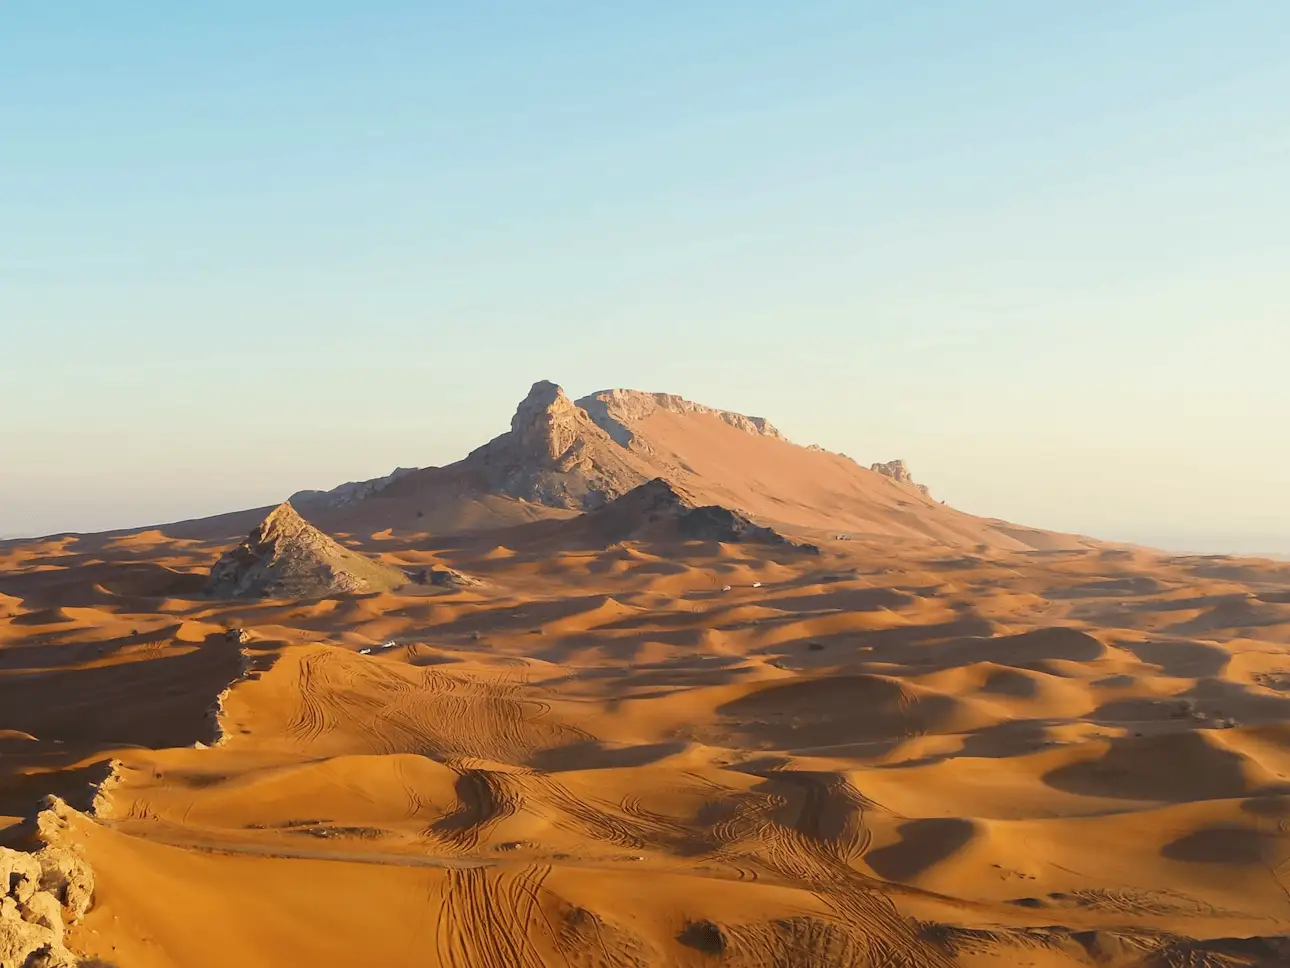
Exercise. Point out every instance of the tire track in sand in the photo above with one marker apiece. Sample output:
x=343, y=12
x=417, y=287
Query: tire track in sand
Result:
x=492, y=918
x=311, y=721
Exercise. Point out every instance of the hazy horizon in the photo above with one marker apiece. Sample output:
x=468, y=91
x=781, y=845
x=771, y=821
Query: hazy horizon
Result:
x=1274, y=545
x=1037, y=253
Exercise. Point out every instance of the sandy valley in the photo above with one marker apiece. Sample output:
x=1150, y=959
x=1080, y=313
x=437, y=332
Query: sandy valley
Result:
x=641, y=683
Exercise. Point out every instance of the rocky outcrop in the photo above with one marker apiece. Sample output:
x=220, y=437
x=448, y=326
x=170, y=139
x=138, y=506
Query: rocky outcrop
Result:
x=660, y=510
x=350, y=492
x=898, y=472
x=442, y=577
x=287, y=557
x=615, y=411
x=556, y=455
x=546, y=424
x=40, y=892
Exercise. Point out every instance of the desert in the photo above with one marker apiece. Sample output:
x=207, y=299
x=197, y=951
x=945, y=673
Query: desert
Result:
x=639, y=682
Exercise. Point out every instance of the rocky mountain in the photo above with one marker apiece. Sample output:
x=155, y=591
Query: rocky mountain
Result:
x=287, y=557
x=562, y=457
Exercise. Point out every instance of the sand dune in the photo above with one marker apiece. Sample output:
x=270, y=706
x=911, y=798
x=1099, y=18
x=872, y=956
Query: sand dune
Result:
x=943, y=742
x=594, y=764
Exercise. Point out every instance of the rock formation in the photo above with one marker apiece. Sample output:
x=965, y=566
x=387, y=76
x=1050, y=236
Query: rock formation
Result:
x=442, y=577
x=38, y=893
x=556, y=455
x=660, y=510
x=562, y=456
x=899, y=472
x=286, y=557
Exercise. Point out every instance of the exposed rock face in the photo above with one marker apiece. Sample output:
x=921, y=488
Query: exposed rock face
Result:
x=898, y=472
x=442, y=577
x=555, y=454
x=558, y=452
x=287, y=557
x=658, y=509
x=615, y=410
x=545, y=425
x=38, y=892
x=565, y=455
x=350, y=492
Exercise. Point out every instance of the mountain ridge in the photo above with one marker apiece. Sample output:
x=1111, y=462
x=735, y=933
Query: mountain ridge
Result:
x=562, y=457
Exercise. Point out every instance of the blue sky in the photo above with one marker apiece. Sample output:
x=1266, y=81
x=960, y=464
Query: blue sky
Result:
x=1039, y=251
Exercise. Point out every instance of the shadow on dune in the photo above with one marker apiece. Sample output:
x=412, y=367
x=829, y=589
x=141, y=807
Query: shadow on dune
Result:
x=837, y=711
x=1178, y=767
x=1186, y=660
x=1133, y=585
x=1270, y=805
x=1025, y=649
x=1222, y=845
x=844, y=599
x=51, y=657
x=923, y=844
x=595, y=755
x=1215, y=699
x=99, y=582
x=154, y=702
x=33, y=770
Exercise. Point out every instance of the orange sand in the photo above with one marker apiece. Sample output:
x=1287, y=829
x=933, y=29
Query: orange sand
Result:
x=599, y=758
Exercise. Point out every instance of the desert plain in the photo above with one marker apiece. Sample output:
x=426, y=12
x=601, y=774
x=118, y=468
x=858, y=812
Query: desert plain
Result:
x=641, y=683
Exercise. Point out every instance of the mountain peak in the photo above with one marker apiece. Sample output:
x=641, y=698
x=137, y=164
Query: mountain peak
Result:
x=282, y=523
x=546, y=421
x=555, y=454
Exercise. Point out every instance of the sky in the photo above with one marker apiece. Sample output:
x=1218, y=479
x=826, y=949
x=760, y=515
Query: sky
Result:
x=1040, y=251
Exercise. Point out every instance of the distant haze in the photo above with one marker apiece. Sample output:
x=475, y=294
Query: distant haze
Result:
x=1037, y=251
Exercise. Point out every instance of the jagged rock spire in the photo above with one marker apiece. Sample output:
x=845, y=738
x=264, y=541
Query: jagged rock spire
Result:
x=546, y=422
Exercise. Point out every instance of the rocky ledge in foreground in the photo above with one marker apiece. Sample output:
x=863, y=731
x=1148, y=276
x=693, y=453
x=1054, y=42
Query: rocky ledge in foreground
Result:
x=39, y=893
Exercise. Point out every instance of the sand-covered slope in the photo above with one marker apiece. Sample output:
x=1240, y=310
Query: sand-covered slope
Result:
x=660, y=752
x=745, y=463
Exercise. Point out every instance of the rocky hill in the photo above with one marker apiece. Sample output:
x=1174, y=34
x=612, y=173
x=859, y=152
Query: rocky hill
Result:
x=658, y=511
x=286, y=557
